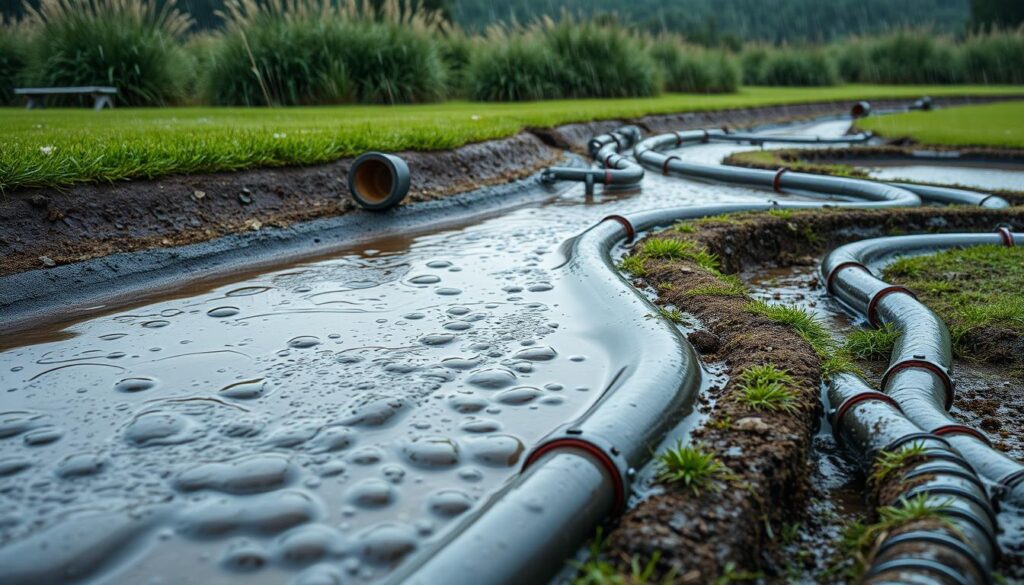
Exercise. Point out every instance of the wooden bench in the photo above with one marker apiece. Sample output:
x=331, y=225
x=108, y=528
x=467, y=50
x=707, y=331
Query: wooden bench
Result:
x=102, y=96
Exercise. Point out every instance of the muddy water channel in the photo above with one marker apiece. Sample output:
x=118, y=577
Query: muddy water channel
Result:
x=320, y=423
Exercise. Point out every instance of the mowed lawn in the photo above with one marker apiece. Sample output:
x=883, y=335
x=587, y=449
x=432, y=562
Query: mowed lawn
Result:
x=1000, y=124
x=67, y=146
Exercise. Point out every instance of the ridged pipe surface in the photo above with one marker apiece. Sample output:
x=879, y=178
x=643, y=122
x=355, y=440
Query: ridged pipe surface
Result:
x=869, y=424
x=919, y=376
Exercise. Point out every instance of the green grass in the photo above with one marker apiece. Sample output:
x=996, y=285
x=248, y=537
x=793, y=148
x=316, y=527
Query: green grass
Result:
x=691, y=466
x=872, y=344
x=599, y=571
x=972, y=289
x=62, y=147
x=834, y=359
x=889, y=462
x=766, y=387
x=1000, y=124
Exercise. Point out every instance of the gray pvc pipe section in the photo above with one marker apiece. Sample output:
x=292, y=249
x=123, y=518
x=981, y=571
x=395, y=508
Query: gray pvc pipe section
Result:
x=870, y=427
x=920, y=367
x=648, y=153
x=578, y=476
x=616, y=169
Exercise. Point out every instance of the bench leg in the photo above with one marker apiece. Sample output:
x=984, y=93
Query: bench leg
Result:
x=101, y=101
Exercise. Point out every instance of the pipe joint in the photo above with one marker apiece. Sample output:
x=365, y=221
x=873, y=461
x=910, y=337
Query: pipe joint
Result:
x=777, y=180
x=842, y=409
x=922, y=362
x=630, y=230
x=954, y=429
x=597, y=448
x=878, y=296
x=1007, y=236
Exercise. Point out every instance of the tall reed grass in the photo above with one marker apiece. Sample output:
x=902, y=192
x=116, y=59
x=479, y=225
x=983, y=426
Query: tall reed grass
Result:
x=789, y=66
x=13, y=58
x=131, y=44
x=691, y=69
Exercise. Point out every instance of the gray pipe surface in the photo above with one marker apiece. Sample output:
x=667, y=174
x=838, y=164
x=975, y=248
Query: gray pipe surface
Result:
x=870, y=423
x=616, y=169
x=919, y=376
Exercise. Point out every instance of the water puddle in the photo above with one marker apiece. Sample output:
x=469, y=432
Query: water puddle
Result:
x=981, y=175
x=316, y=423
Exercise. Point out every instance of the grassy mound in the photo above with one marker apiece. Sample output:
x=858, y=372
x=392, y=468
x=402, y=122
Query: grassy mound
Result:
x=1000, y=124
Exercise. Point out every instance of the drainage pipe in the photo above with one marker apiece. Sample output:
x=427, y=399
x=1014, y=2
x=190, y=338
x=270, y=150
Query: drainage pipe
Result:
x=919, y=376
x=870, y=423
x=648, y=153
x=378, y=181
x=616, y=169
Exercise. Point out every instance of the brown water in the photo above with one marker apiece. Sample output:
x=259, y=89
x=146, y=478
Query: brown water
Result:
x=318, y=423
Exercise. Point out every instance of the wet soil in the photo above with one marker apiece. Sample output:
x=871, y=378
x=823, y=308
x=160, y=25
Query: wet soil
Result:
x=40, y=228
x=793, y=491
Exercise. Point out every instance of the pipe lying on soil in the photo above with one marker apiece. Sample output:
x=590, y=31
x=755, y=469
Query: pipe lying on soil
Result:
x=920, y=367
x=963, y=551
x=617, y=170
x=378, y=181
x=580, y=475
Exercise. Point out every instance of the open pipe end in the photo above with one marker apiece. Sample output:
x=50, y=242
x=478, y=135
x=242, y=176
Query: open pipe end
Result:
x=860, y=110
x=378, y=181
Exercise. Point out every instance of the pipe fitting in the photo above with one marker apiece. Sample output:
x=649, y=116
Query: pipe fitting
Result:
x=378, y=181
x=861, y=110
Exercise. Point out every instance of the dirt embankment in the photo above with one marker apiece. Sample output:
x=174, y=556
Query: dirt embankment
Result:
x=699, y=536
x=44, y=227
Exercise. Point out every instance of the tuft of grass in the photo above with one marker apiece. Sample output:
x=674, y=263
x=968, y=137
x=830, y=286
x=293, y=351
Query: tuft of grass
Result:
x=766, y=387
x=871, y=344
x=673, y=315
x=635, y=265
x=786, y=66
x=14, y=45
x=889, y=462
x=599, y=571
x=689, y=69
x=859, y=539
x=129, y=44
x=834, y=359
x=730, y=289
x=690, y=465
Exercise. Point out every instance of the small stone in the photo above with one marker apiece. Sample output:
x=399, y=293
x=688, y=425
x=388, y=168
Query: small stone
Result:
x=245, y=198
x=255, y=225
x=752, y=424
x=198, y=194
x=39, y=201
x=47, y=261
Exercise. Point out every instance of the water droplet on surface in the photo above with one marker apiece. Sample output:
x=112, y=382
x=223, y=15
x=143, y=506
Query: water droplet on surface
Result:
x=160, y=428
x=221, y=312
x=371, y=493
x=448, y=291
x=468, y=404
x=449, y=503
x=386, y=544
x=155, y=324
x=492, y=379
x=132, y=385
x=246, y=475
x=80, y=465
x=425, y=279
x=520, y=395
x=304, y=342
x=330, y=439
x=438, y=264
x=495, y=450
x=537, y=354
x=13, y=465
x=431, y=452
x=540, y=287
x=246, y=291
x=245, y=390
x=437, y=339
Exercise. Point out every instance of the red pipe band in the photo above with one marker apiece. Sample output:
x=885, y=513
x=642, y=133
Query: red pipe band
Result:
x=776, y=180
x=664, y=165
x=873, y=303
x=835, y=271
x=916, y=363
x=1007, y=236
x=630, y=232
x=837, y=419
x=961, y=430
x=592, y=450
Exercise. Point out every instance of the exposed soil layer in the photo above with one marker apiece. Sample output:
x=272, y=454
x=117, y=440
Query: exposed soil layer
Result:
x=697, y=537
x=89, y=221
x=46, y=227
x=844, y=161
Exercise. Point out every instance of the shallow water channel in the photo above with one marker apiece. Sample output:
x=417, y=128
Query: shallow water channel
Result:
x=320, y=422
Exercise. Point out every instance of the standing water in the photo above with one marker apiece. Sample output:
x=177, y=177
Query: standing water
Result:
x=318, y=423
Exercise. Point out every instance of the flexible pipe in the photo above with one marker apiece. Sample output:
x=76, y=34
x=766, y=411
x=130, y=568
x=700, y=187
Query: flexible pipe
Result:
x=870, y=423
x=579, y=476
x=616, y=169
x=919, y=376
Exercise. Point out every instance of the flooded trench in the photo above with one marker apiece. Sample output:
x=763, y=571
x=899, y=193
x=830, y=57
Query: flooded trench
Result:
x=321, y=422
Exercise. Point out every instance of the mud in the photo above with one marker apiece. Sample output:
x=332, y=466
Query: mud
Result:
x=791, y=523
x=45, y=227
